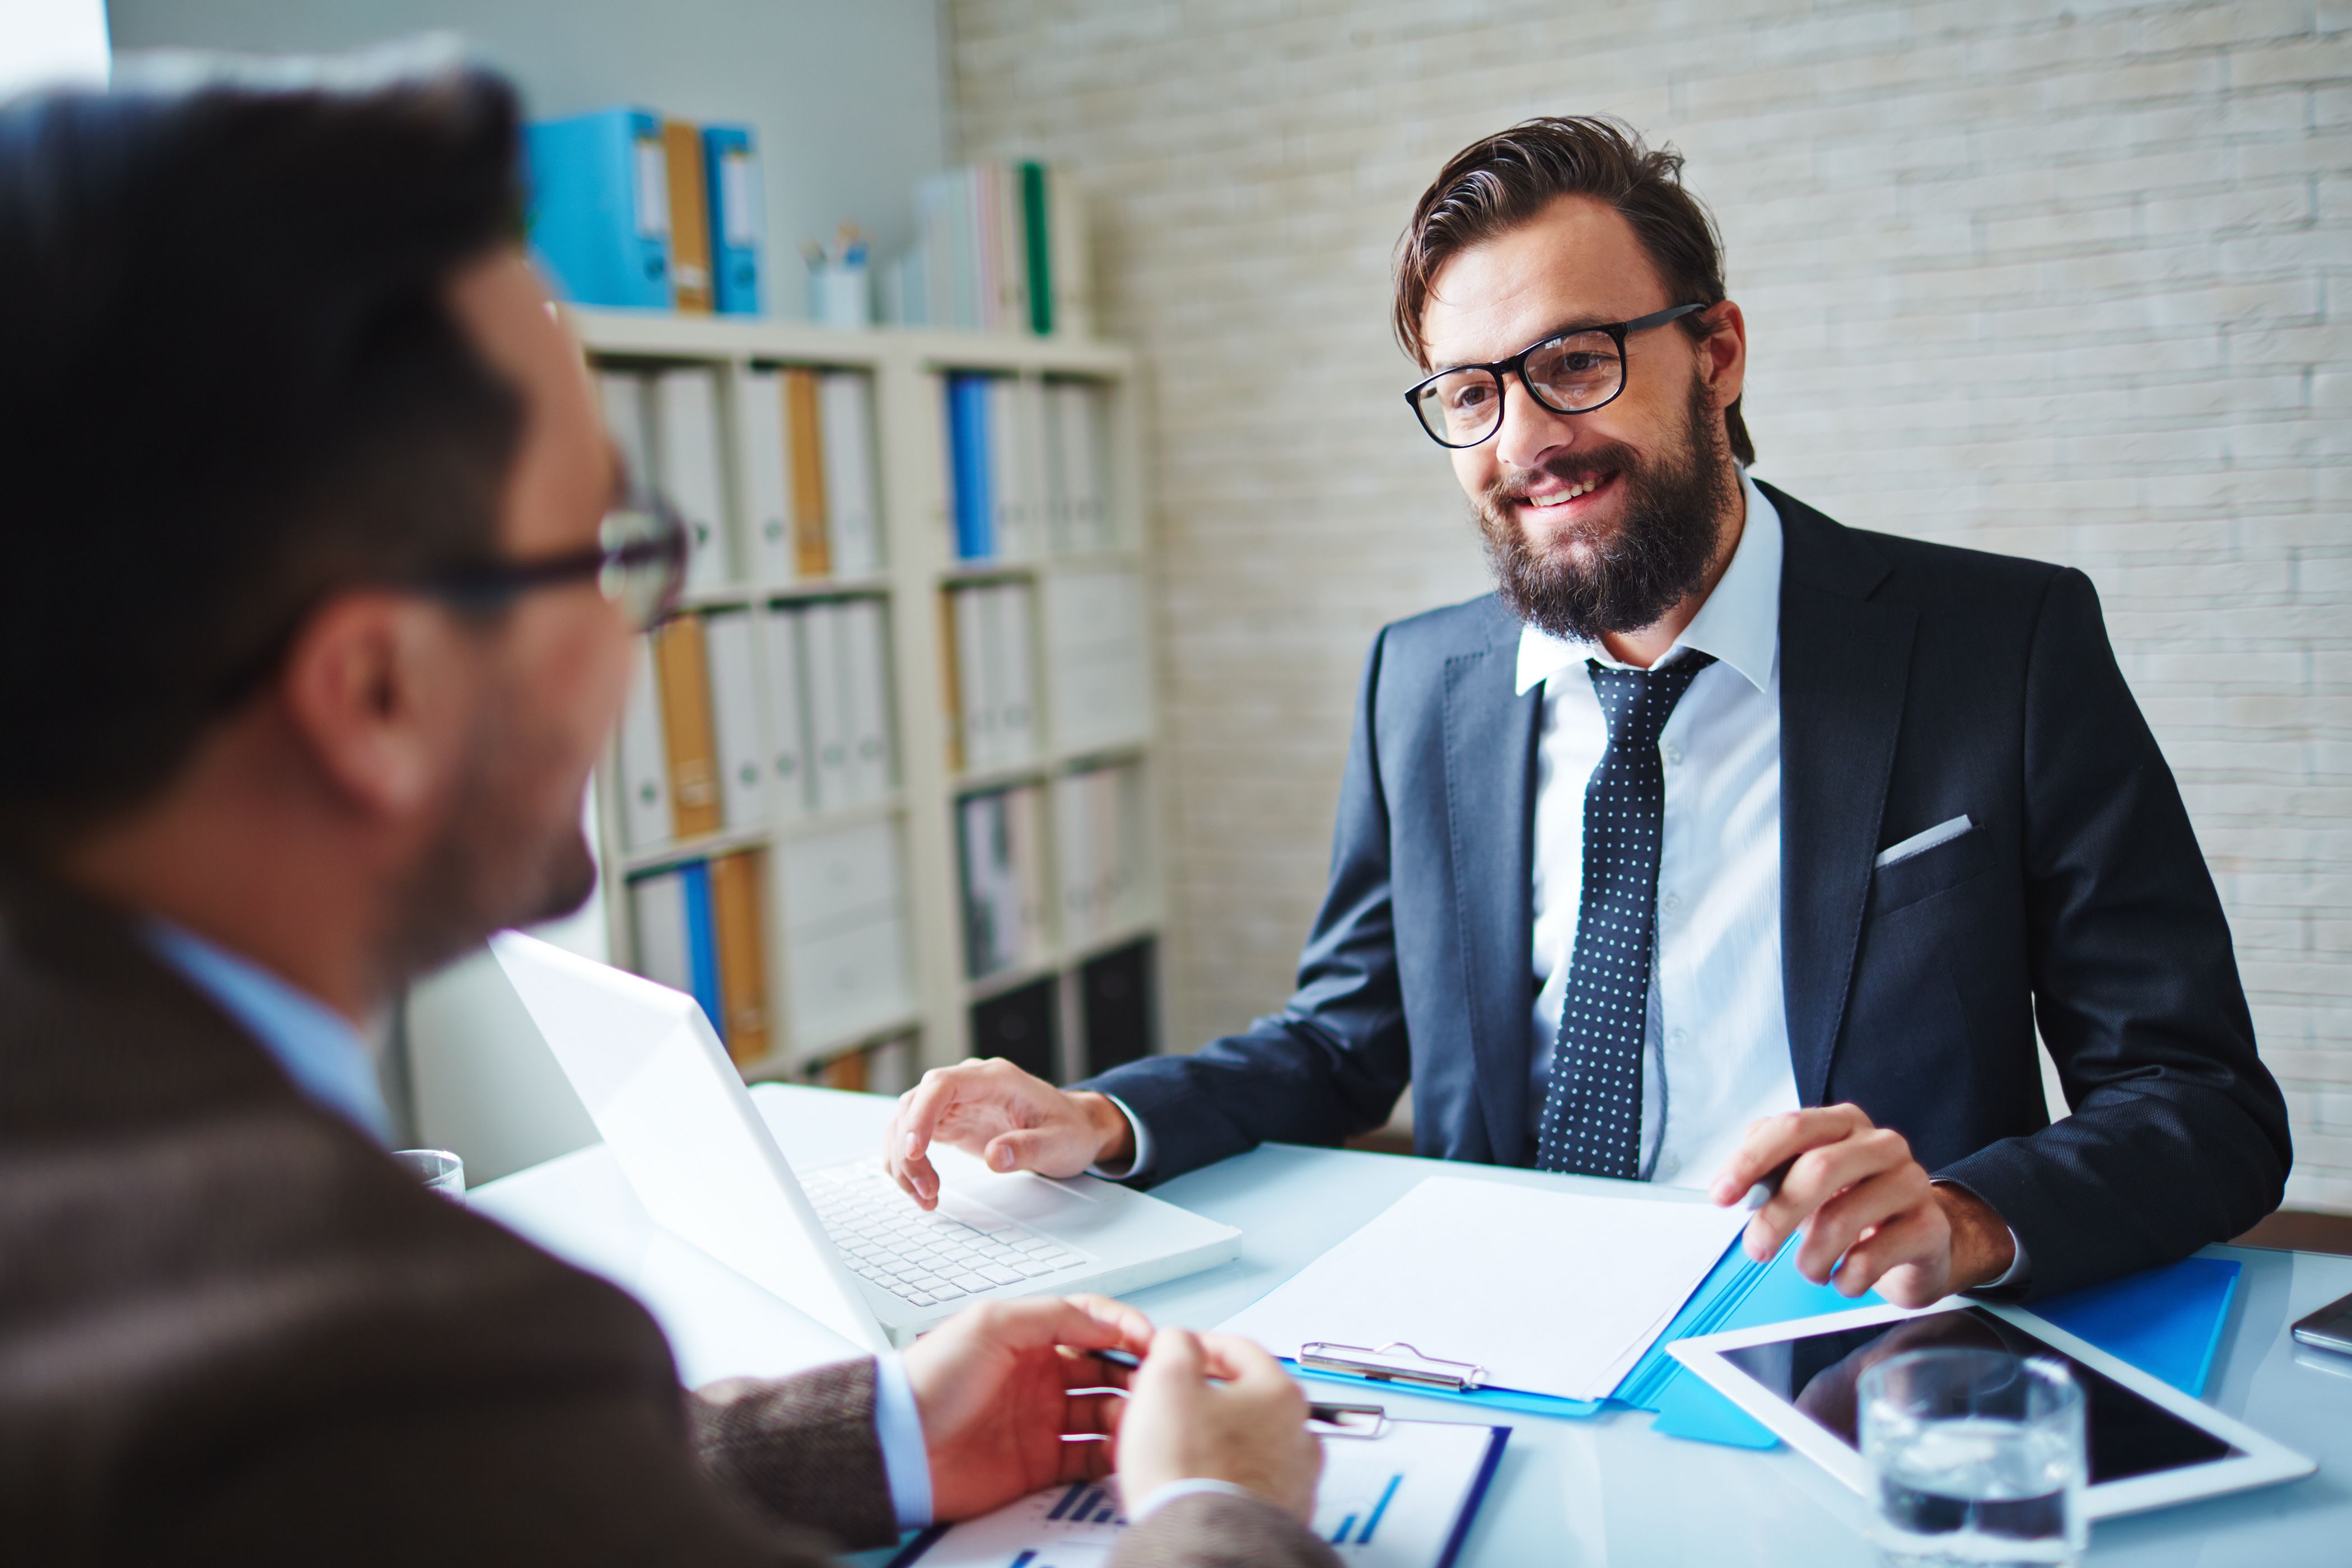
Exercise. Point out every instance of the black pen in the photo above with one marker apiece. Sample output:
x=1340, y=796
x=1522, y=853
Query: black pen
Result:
x=1331, y=1415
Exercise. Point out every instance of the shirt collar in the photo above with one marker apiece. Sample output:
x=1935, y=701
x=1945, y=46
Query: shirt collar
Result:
x=315, y=1045
x=1739, y=624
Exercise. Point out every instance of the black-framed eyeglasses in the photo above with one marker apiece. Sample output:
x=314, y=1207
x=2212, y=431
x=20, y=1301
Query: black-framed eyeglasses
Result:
x=1573, y=371
x=638, y=564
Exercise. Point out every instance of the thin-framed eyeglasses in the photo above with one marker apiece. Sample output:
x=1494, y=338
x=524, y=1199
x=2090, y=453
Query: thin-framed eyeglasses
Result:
x=1574, y=372
x=638, y=564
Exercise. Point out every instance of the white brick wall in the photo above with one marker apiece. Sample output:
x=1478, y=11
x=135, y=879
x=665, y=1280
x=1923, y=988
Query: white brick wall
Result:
x=2068, y=283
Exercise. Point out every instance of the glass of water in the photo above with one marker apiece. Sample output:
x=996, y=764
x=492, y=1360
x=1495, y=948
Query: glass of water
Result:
x=439, y=1169
x=1980, y=1458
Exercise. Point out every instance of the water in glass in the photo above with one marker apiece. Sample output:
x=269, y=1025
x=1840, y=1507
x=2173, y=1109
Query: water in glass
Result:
x=1978, y=1457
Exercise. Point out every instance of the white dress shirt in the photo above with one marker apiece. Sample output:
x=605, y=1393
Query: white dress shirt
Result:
x=1716, y=1055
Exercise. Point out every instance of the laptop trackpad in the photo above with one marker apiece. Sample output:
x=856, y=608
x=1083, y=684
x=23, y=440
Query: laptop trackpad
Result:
x=1033, y=1200
x=1021, y=1196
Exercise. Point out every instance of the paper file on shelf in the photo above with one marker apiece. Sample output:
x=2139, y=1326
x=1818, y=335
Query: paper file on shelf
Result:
x=1404, y=1499
x=1544, y=1291
x=686, y=461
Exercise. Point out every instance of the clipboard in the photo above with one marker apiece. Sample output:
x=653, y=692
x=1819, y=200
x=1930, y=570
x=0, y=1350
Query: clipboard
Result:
x=1401, y=1365
x=1431, y=1295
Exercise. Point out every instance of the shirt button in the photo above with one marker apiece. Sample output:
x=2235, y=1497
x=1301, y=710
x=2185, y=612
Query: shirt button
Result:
x=1677, y=1036
x=1671, y=902
x=1674, y=753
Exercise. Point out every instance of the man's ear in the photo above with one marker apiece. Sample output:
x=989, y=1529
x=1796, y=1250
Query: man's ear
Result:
x=1723, y=354
x=375, y=688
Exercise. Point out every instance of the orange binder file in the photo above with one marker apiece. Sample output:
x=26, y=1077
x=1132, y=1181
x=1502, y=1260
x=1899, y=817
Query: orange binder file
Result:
x=951, y=680
x=690, y=216
x=742, y=954
x=812, y=550
x=684, y=678
x=847, y=1071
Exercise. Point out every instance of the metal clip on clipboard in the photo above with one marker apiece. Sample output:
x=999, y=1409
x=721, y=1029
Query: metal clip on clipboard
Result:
x=1379, y=1364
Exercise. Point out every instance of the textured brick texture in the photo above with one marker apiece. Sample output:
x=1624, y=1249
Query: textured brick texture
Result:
x=2070, y=283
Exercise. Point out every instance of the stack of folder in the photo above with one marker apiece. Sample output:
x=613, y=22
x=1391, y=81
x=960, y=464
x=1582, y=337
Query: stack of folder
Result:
x=1002, y=835
x=629, y=209
x=805, y=442
x=736, y=719
x=1025, y=465
x=1001, y=248
x=1098, y=851
x=991, y=690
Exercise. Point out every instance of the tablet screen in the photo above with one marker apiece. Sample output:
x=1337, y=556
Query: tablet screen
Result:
x=2128, y=1435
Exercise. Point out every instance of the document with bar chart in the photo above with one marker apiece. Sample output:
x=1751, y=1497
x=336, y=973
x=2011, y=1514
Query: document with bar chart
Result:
x=1403, y=1499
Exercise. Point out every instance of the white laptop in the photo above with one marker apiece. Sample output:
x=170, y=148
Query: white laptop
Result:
x=842, y=1243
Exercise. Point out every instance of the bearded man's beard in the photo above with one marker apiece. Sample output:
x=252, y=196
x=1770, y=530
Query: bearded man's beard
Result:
x=1668, y=527
x=507, y=853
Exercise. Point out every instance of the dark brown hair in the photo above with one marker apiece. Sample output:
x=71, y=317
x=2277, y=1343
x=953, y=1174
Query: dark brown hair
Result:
x=1502, y=180
x=233, y=384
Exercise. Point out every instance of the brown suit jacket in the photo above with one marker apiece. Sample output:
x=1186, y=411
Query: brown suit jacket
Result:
x=229, y=1328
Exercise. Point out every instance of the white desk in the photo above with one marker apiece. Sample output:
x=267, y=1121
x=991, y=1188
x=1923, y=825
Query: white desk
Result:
x=1606, y=1490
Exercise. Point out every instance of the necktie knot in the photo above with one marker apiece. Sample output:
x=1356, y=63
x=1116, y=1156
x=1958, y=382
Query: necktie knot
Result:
x=1638, y=703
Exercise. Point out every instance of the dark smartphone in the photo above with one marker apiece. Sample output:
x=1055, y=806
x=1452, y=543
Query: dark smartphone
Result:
x=2330, y=1328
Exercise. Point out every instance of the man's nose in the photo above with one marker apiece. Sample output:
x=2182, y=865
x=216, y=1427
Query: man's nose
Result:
x=1529, y=431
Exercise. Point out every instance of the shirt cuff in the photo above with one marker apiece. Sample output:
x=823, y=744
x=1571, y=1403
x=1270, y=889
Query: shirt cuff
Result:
x=899, y=1426
x=1162, y=1497
x=1142, y=1164
x=2020, y=1269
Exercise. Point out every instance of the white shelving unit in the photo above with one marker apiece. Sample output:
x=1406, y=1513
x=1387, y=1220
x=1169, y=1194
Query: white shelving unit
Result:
x=907, y=367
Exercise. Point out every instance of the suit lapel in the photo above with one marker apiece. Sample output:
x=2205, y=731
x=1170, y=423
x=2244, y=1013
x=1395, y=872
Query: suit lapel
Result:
x=1845, y=663
x=1490, y=737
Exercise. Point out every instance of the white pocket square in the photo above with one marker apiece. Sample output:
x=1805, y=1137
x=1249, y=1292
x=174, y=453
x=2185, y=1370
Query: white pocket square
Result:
x=1942, y=833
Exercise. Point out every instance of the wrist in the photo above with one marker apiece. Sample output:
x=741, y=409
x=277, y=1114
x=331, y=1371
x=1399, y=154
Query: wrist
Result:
x=1982, y=1247
x=1114, y=1139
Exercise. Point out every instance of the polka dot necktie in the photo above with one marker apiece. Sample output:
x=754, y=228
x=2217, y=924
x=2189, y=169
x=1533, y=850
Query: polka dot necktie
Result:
x=1592, y=1115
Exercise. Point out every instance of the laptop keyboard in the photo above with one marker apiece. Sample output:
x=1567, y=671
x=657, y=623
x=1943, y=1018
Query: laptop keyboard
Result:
x=925, y=1258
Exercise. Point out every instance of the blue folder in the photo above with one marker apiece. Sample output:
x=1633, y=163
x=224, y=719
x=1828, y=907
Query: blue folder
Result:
x=737, y=232
x=593, y=231
x=969, y=449
x=2167, y=1321
x=702, y=944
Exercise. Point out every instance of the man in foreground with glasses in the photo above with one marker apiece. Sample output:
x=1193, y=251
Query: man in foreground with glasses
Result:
x=308, y=643
x=1724, y=845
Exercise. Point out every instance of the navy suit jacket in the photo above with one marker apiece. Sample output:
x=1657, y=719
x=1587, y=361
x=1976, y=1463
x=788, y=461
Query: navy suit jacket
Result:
x=1918, y=682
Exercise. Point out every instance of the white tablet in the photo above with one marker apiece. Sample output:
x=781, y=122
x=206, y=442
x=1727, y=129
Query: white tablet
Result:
x=2150, y=1445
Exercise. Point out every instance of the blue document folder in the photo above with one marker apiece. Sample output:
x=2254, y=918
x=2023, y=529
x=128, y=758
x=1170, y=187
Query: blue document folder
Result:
x=970, y=444
x=2167, y=1321
x=599, y=208
x=737, y=230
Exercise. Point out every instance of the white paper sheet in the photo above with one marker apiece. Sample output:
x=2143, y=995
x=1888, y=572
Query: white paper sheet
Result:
x=1551, y=1292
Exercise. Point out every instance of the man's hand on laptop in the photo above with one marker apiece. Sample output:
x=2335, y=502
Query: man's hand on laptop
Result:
x=1010, y=1120
x=1870, y=1214
x=991, y=1386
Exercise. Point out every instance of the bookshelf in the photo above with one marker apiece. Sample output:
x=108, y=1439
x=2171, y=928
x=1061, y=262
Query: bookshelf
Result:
x=924, y=803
